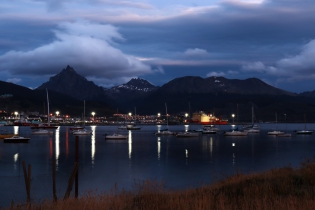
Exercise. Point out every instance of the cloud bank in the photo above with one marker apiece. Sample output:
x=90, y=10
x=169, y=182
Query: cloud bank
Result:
x=292, y=68
x=86, y=46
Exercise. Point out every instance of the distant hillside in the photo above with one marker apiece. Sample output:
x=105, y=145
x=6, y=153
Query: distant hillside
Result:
x=26, y=100
x=308, y=94
x=216, y=95
x=192, y=84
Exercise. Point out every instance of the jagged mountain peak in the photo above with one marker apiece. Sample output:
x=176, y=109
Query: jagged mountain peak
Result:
x=137, y=84
x=69, y=82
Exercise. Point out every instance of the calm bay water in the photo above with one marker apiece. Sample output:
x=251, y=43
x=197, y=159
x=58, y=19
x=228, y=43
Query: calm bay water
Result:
x=179, y=162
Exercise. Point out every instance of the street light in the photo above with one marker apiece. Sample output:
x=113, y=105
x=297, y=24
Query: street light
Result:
x=233, y=115
x=57, y=113
x=130, y=116
x=93, y=113
x=16, y=113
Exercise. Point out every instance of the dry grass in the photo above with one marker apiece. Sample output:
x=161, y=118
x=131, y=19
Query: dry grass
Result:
x=284, y=188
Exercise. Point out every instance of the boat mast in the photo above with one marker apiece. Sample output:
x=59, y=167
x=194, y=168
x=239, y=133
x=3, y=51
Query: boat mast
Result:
x=304, y=122
x=276, y=122
x=48, y=115
x=84, y=115
x=252, y=115
x=166, y=116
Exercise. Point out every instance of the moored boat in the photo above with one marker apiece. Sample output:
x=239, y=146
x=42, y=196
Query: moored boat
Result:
x=235, y=133
x=16, y=139
x=252, y=130
x=306, y=132
x=48, y=125
x=275, y=132
x=116, y=136
x=76, y=127
x=133, y=127
x=82, y=132
x=42, y=131
x=122, y=127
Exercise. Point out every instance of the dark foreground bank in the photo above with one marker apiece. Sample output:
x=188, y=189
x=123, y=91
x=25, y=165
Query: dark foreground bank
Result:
x=283, y=188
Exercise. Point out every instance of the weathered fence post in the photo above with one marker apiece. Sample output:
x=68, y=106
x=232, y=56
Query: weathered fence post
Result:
x=27, y=179
x=70, y=181
x=76, y=189
x=54, y=178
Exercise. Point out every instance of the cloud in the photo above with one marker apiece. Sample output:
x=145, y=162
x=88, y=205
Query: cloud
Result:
x=196, y=53
x=292, y=68
x=254, y=67
x=232, y=72
x=125, y=4
x=88, y=47
x=214, y=73
x=302, y=63
x=14, y=80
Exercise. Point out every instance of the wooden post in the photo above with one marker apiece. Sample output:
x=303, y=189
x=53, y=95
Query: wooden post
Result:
x=77, y=161
x=54, y=178
x=27, y=179
x=70, y=181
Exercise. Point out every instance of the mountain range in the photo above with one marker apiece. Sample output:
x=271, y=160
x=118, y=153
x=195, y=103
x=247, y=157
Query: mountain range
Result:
x=217, y=95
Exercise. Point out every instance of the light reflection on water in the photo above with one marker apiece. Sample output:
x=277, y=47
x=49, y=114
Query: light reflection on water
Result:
x=130, y=144
x=93, y=128
x=57, y=146
x=181, y=162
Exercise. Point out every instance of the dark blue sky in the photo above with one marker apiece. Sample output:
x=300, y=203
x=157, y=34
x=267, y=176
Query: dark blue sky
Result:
x=110, y=42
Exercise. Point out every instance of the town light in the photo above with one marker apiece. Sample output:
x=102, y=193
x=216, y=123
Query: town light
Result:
x=57, y=113
x=93, y=113
x=233, y=115
x=16, y=113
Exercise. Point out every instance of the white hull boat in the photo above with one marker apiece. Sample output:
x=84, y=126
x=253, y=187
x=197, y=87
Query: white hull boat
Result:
x=164, y=133
x=16, y=139
x=82, y=132
x=252, y=130
x=116, y=136
x=42, y=131
x=187, y=134
x=235, y=133
x=133, y=127
x=275, y=133
x=305, y=132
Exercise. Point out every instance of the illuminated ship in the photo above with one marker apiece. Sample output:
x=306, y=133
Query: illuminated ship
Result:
x=207, y=119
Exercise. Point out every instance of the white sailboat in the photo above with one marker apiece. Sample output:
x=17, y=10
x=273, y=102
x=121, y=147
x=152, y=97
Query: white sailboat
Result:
x=82, y=131
x=276, y=131
x=166, y=131
x=46, y=126
x=304, y=131
x=286, y=134
x=253, y=128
